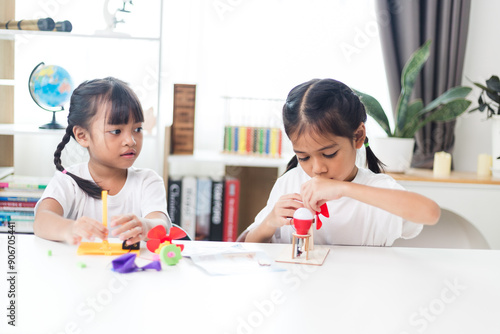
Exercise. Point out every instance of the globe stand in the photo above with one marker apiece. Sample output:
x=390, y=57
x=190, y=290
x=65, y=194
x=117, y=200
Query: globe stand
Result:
x=52, y=125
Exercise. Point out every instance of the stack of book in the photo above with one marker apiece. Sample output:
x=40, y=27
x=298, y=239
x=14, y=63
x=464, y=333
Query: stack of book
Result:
x=18, y=197
x=207, y=208
x=249, y=140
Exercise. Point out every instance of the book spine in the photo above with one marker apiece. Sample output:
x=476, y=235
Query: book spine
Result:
x=231, y=209
x=280, y=142
x=268, y=141
x=22, y=186
x=203, y=203
x=242, y=141
x=274, y=142
x=188, y=205
x=217, y=210
x=174, y=200
x=235, y=139
x=17, y=204
x=19, y=199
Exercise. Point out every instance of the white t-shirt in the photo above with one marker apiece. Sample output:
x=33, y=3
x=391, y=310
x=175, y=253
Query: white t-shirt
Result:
x=351, y=222
x=143, y=193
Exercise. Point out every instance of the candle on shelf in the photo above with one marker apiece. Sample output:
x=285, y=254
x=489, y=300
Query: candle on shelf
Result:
x=442, y=164
x=484, y=163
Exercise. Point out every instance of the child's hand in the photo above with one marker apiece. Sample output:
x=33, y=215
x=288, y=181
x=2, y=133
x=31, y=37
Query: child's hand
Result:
x=283, y=210
x=320, y=190
x=85, y=227
x=131, y=228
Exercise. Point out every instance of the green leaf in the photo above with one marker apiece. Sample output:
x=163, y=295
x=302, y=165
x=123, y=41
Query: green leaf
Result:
x=414, y=109
x=408, y=77
x=493, y=83
x=448, y=96
x=448, y=112
x=375, y=110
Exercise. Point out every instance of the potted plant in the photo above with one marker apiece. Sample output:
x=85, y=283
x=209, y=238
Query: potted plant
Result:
x=411, y=115
x=489, y=101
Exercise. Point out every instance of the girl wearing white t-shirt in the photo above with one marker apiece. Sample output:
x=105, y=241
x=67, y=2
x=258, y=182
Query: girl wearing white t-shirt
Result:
x=325, y=121
x=105, y=116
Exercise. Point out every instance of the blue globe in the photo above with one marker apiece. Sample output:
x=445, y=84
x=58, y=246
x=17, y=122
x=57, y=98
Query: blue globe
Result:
x=50, y=87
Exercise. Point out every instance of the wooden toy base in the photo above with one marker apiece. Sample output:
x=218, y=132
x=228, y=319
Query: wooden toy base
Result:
x=99, y=248
x=316, y=256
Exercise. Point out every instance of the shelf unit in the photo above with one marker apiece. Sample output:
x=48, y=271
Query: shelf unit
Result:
x=257, y=176
x=9, y=84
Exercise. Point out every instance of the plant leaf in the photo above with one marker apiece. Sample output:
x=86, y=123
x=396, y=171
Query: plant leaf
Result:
x=375, y=110
x=450, y=95
x=408, y=77
x=414, y=109
x=493, y=83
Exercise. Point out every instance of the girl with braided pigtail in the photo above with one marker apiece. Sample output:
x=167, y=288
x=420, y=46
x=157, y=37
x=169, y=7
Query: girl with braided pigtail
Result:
x=105, y=117
x=325, y=121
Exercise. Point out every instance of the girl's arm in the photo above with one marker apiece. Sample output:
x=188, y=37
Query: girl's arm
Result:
x=408, y=205
x=281, y=214
x=134, y=229
x=50, y=224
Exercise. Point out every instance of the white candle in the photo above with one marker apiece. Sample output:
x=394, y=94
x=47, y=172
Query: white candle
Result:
x=442, y=164
x=484, y=163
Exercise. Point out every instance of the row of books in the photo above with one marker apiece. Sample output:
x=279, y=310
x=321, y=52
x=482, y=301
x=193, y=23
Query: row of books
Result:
x=253, y=141
x=18, y=197
x=206, y=208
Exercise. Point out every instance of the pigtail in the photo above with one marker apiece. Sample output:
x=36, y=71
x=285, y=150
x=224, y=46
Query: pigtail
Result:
x=374, y=164
x=292, y=164
x=89, y=187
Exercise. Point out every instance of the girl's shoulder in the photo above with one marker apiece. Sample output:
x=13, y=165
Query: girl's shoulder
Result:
x=369, y=178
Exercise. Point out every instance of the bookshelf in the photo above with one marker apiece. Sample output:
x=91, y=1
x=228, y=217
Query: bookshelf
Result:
x=257, y=176
x=16, y=129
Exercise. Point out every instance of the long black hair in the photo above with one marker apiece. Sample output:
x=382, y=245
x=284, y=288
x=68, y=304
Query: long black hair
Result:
x=86, y=99
x=326, y=106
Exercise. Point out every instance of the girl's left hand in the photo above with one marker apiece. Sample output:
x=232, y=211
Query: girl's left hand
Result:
x=320, y=190
x=131, y=228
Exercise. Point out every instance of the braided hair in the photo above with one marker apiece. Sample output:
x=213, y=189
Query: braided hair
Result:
x=327, y=106
x=85, y=102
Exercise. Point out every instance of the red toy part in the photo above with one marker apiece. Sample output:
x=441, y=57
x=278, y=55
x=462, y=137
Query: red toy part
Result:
x=158, y=235
x=324, y=212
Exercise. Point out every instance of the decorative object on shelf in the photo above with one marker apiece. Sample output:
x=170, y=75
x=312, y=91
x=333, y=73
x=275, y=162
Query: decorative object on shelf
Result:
x=247, y=140
x=252, y=126
x=492, y=92
x=46, y=24
x=50, y=86
x=182, y=130
x=413, y=115
x=484, y=164
x=114, y=12
x=442, y=164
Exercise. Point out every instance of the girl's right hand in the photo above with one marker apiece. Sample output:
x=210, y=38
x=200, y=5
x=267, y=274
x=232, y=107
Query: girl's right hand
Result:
x=283, y=210
x=85, y=227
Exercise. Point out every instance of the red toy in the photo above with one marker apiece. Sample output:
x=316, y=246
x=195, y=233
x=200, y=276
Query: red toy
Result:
x=158, y=235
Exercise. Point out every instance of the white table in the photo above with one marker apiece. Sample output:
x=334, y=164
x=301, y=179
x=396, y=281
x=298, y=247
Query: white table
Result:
x=357, y=290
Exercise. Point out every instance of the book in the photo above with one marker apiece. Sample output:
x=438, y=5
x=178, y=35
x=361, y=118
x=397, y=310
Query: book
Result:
x=7, y=195
x=231, y=209
x=182, y=130
x=24, y=182
x=188, y=205
x=217, y=209
x=15, y=205
x=203, y=203
x=174, y=188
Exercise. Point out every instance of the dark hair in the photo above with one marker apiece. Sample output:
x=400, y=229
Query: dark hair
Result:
x=85, y=102
x=326, y=106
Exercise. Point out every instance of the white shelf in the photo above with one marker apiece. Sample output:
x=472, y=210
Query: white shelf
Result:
x=27, y=129
x=200, y=156
x=7, y=82
x=11, y=34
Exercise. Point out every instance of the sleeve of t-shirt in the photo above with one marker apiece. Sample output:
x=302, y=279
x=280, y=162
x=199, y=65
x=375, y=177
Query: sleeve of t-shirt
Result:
x=62, y=189
x=409, y=229
x=154, y=195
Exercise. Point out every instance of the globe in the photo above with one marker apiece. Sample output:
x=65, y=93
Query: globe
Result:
x=50, y=87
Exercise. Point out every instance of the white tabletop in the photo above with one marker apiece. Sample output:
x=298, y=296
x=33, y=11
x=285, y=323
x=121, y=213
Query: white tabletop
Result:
x=357, y=290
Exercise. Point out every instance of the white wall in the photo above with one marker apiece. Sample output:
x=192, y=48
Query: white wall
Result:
x=482, y=59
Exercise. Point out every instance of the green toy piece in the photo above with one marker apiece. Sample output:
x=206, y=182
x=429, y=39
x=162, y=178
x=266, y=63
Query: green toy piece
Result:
x=170, y=254
x=82, y=265
x=49, y=253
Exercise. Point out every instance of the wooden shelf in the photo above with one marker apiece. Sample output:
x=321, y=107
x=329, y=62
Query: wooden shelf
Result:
x=426, y=175
x=27, y=129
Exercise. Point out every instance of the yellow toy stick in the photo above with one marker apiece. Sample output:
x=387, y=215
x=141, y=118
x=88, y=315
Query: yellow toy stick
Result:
x=104, y=248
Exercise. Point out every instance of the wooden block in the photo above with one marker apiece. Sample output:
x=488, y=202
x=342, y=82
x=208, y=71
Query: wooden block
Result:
x=182, y=130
